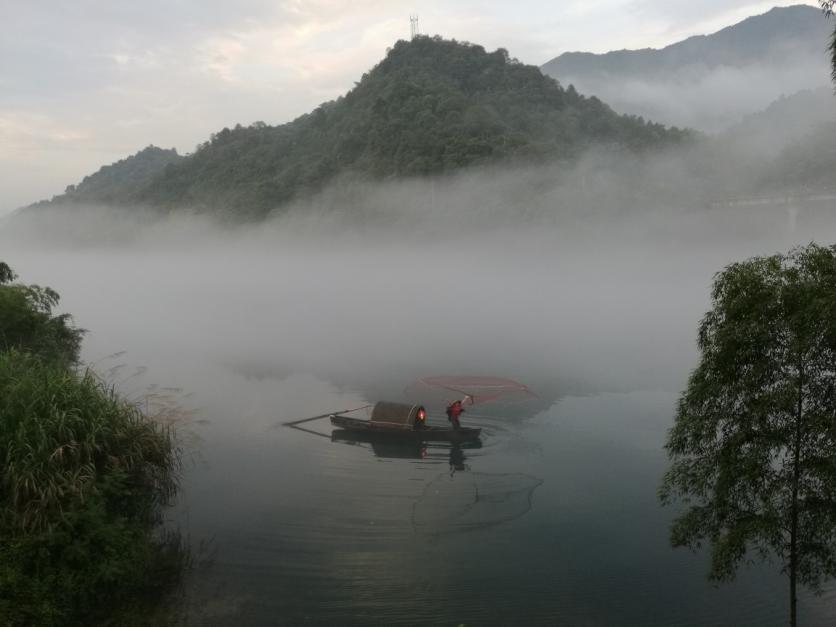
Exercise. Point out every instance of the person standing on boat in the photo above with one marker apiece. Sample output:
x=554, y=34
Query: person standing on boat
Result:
x=454, y=410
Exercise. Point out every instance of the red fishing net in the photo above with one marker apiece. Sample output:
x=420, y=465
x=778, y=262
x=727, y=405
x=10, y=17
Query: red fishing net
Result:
x=470, y=390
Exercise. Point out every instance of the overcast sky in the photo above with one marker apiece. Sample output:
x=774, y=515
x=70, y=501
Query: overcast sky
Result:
x=86, y=82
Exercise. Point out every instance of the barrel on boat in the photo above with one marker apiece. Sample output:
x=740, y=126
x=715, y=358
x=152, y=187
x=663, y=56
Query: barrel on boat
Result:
x=395, y=416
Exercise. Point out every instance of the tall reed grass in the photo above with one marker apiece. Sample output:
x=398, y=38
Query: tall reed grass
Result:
x=84, y=477
x=62, y=436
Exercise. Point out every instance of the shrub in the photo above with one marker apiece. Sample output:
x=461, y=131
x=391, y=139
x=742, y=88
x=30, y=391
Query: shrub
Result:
x=28, y=324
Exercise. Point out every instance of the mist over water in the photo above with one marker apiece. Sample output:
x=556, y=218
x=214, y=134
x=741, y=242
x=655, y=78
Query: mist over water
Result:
x=532, y=273
x=709, y=99
x=568, y=284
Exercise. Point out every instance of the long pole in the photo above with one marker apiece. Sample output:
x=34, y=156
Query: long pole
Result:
x=333, y=413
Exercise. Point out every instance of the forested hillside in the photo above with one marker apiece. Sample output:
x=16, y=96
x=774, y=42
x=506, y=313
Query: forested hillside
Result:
x=806, y=166
x=788, y=149
x=120, y=182
x=431, y=106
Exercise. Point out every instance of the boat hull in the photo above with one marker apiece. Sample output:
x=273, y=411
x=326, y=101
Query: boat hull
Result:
x=427, y=434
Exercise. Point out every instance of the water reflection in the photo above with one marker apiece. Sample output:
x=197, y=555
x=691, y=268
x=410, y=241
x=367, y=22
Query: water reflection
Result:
x=456, y=500
x=388, y=447
x=457, y=458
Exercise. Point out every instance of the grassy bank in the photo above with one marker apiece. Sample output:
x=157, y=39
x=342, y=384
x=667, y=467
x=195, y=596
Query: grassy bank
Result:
x=85, y=477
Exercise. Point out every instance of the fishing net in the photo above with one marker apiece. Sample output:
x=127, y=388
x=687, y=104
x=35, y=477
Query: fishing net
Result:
x=465, y=501
x=440, y=391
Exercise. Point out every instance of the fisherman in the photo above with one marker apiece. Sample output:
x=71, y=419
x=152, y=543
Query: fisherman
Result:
x=454, y=410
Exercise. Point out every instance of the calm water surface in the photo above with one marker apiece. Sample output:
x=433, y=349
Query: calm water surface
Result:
x=553, y=520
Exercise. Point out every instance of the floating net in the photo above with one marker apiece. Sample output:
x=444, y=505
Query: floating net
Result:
x=472, y=500
x=435, y=391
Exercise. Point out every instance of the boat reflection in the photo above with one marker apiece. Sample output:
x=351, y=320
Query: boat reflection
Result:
x=390, y=448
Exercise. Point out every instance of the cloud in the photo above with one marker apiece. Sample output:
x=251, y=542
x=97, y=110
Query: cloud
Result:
x=684, y=18
x=22, y=131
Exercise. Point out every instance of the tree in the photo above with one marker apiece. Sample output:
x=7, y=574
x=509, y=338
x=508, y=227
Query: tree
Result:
x=828, y=7
x=7, y=275
x=27, y=322
x=753, y=447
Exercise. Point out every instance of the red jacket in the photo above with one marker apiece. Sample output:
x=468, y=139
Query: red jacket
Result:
x=455, y=410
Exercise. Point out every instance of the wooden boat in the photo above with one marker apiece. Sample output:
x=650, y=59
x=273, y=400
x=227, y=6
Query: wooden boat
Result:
x=403, y=421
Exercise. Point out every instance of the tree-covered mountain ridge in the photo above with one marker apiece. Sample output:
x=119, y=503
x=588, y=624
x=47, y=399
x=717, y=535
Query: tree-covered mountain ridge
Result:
x=431, y=106
x=118, y=182
x=766, y=38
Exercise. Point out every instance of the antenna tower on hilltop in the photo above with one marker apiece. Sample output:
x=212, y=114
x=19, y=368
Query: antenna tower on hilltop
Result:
x=413, y=27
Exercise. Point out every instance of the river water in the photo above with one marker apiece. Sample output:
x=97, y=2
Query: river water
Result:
x=552, y=519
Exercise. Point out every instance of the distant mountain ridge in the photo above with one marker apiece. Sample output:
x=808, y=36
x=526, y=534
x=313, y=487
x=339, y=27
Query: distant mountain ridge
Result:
x=737, y=70
x=120, y=182
x=431, y=106
x=787, y=149
x=785, y=121
x=781, y=31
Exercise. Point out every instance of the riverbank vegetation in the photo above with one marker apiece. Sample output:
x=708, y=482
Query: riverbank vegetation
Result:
x=754, y=444
x=85, y=478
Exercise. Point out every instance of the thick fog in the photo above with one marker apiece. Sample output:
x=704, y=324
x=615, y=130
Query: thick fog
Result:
x=573, y=281
x=710, y=99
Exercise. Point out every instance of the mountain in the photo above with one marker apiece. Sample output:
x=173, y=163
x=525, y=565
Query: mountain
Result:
x=709, y=81
x=120, y=182
x=431, y=106
x=786, y=149
x=808, y=165
x=785, y=122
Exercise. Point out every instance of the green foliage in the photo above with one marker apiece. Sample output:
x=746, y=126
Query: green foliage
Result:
x=6, y=274
x=754, y=443
x=28, y=324
x=431, y=106
x=85, y=475
x=120, y=182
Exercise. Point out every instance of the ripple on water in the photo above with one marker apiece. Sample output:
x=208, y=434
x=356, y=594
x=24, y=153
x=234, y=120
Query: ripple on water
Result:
x=476, y=500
